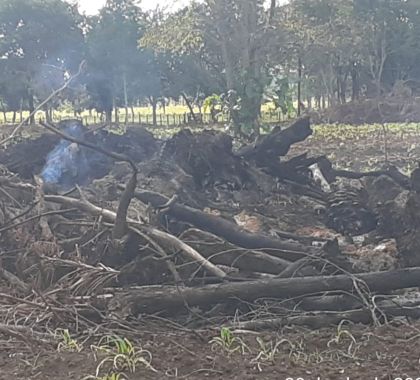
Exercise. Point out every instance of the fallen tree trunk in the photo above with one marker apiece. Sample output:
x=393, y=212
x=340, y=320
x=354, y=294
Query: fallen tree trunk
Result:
x=171, y=299
x=227, y=230
x=319, y=320
x=218, y=251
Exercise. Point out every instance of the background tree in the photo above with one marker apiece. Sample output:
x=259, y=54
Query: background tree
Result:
x=37, y=35
x=113, y=55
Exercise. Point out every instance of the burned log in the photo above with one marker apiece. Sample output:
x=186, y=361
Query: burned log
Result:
x=330, y=173
x=265, y=153
x=317, y=320
x=228, y=230
x=277, y=143
x=172, y=300
x=220, y=252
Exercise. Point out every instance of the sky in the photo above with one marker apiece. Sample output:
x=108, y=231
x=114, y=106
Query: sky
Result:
x=91, y=7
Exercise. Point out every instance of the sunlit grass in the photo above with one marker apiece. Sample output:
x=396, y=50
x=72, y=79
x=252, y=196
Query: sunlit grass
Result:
x=171, y=114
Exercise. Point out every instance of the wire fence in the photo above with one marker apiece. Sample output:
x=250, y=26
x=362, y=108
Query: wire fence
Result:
x=162, y=119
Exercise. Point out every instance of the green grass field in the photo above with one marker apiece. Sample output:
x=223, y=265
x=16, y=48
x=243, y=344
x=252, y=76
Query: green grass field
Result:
x=173, y=114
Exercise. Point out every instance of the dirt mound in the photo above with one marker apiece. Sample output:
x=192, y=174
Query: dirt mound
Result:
x=384, y=110
x=30, y=157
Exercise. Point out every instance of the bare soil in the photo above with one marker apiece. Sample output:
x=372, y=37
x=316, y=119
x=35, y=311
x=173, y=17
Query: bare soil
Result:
x=356, y=352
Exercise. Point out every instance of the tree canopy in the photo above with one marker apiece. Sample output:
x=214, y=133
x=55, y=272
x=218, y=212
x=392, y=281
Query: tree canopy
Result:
x=243, y=52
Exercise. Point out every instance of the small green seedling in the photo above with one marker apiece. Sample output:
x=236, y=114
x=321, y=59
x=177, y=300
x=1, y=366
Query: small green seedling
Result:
x=66, y=342
x=228, y=342
x=340, y=338
x=122, y=355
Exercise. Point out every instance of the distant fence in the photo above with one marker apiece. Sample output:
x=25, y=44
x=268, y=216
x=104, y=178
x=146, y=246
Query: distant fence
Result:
x=162, y=119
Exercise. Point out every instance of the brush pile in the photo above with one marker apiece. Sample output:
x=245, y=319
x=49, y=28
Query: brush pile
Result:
x=99, y=228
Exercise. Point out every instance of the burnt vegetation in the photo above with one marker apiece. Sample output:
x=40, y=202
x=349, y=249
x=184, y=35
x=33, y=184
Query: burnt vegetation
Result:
x=115, y=228
x=202, y=227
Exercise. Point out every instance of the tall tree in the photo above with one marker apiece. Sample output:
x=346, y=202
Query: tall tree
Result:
x=114, y=59
x=38, y=36
x=244, y=32
x=190, y=67
x=230, y=39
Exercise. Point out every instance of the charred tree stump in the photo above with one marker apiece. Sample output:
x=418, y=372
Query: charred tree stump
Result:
x=265, y=153
x=277, y=143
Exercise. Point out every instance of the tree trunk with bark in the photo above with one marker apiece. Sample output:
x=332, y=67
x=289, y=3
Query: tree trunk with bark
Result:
x=190, y=107
x=172, y=300
x=125, y=98
x=108, y=115
x=31, y=107
x=153, y=101
x=299, y=89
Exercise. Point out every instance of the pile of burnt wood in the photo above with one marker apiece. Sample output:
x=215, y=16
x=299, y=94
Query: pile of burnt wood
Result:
x=122, y=225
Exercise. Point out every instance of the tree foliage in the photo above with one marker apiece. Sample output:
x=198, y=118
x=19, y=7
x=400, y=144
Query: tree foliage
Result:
x=240, y=52
x=40, y=41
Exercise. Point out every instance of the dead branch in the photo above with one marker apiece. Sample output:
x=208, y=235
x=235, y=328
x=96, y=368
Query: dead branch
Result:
x=228, y=230
x=14, y=281
x=26, y=334
x=86, y=206
x=9, y=182
x=179, y=244
x=120, y=227
x=221, y=252
x=295, y=267
x=46, y=232
x=35, y=217
x=162, y=253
